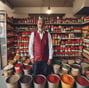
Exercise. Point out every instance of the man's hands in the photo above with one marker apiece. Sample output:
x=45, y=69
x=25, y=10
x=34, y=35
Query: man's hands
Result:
x=49, y=62
x=32, y=61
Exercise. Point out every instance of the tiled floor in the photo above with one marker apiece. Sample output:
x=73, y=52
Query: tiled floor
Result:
x=2, y=81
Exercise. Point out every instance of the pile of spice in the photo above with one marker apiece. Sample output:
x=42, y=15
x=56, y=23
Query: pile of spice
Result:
x=27, y=67
x=68, y=79
x=16, y=57
x=53, y=78
x=25, y=79
x=39, y=79
x=12, y=79
x=82, y=81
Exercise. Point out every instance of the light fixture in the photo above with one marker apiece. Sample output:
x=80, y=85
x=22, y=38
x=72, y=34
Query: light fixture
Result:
x=49, y=10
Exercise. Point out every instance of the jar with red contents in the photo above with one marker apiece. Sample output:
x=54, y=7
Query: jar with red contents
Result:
x=27, y=69
x=53, y=81
x=39, y=81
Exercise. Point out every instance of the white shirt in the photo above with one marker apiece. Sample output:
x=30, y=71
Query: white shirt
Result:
x=31, y=41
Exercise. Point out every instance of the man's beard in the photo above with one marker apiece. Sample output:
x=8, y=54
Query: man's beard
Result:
x=41, y=29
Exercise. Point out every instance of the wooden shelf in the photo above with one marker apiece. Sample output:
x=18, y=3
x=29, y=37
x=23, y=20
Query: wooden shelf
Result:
x=69, y=38
x=23, y=24
x=10, y=43
x=67, y=56
x=67, y=24
x=66, y=38
x=72, y=44
x=11, y=36
x=65, y=32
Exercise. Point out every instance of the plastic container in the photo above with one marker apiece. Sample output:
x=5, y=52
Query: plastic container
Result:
x=64, y=62
x=19, y=74
x=67, y=81
x=65, y=68
x=75, y=70
x=82, y=82
x=19, y=68
x=53, y=81
x=27, y=69
x=71, y=62
x=12, y=81
x=39, y=81
x=78, y=61
x=84, y=67
x=25, y=81
x=56, y=68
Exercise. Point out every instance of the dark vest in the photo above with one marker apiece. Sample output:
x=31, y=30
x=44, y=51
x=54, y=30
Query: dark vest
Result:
x=40, y=47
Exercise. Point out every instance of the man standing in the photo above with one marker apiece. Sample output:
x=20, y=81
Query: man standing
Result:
x=40, y=49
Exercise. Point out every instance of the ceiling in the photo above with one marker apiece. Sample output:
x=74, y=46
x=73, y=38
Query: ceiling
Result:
x=40, y=3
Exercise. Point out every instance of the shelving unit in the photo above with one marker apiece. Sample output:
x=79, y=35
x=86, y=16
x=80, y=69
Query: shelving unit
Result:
x=11, y=38
x=86, y=41
x=51, y=24
x=66, y=35
x=23, y=39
